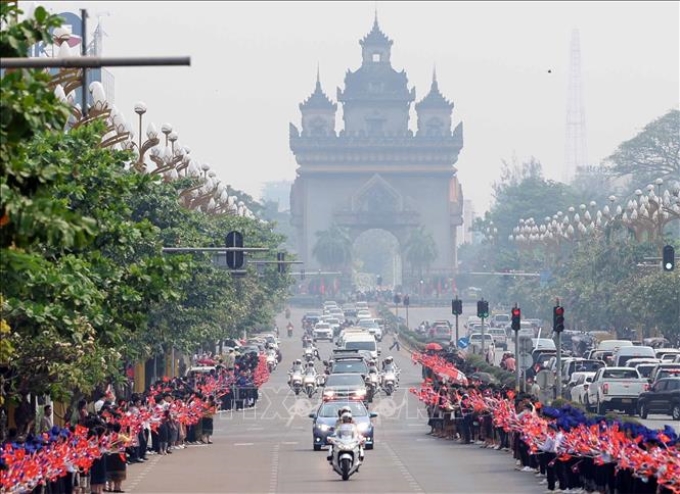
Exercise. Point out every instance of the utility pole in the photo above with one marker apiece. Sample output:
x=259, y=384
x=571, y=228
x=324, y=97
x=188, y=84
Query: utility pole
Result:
x=558, y=327
x=83, y=51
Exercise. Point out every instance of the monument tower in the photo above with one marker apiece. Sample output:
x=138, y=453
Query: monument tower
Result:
x=375, y=173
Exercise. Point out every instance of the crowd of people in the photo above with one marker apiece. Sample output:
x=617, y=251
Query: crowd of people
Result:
x=565, y=449
x=102, y=437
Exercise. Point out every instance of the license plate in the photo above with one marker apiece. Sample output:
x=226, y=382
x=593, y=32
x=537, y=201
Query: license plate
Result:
x=626, y=401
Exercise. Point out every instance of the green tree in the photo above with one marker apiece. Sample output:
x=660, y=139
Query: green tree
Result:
x=420, y=250
x=333, y=248
x=653, y=153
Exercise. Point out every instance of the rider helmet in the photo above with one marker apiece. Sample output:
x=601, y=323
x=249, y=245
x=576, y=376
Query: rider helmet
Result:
x=344, y=410
x=346, y=418
x=310, y=364
x=389, y=360
x=298, y=361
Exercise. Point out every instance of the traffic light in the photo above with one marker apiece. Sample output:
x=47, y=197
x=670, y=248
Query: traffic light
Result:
x=483, y=309
x=234, y=258
x=407, y=300
x=668, y=258
x=456, y=307
x=516, y=319
x=397, y=299
x=281, y=258
x=558, y=319
x=379, y=280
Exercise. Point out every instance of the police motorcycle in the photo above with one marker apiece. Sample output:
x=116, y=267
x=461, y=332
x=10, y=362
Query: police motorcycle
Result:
x=310, y=354
x=272, y=359
x=310, y=381
x=295, y=377
x=388, y=379
x=372, y=381
x=290, y=329
x=348, y=452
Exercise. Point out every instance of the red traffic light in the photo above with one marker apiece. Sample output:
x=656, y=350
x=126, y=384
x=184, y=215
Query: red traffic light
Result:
x=516, y=312
x=559, y=310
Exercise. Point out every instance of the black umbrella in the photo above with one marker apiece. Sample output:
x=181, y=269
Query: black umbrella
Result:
x=484, y=377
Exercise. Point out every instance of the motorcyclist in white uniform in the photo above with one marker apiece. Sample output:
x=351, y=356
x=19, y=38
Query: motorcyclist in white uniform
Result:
x=297, y=367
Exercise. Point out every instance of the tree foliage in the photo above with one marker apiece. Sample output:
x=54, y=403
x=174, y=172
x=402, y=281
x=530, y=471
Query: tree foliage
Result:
x=420, y=250
x=653, y=153
x=333, y=248
x=86, y=287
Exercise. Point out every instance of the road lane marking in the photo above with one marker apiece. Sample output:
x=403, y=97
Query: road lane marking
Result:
x=147, y=468
x=413, y=483
x=290, y=442
x=274, y=477
x=243, y=444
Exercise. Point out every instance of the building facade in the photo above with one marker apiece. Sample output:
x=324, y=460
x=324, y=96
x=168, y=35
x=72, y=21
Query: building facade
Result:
x=375, y=173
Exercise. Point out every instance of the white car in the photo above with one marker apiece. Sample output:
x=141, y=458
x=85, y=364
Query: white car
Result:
x=579, y=384
x=322, y=331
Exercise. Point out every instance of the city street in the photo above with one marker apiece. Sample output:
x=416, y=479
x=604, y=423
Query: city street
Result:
x=269, y=449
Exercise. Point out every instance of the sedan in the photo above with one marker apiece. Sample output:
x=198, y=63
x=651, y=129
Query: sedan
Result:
x=327, y=415
x=345, y=386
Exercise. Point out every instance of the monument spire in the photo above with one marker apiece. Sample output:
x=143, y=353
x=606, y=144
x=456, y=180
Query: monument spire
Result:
x=576, y=154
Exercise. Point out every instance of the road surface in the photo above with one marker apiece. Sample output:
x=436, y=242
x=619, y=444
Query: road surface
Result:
x=269, y=449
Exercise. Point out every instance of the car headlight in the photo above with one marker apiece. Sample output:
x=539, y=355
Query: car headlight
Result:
x=323, y=427
x=328, y=392
x=360, y=392
x=363, y=427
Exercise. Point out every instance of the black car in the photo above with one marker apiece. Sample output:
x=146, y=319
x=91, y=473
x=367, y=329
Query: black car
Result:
x=662, y=398
x=345, y=387
x=327, y=414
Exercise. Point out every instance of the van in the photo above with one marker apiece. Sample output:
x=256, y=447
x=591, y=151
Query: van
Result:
x=366, y=341
x=613, y=345
x=500, y=320
x=625, y=353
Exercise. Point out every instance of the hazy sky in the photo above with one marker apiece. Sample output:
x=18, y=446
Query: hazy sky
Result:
x=254, y=62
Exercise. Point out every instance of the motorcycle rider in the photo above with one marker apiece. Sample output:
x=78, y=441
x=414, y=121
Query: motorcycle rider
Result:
x=341, y=412
x=310, y=370
x=297, y=367
x=372, y=369
x=346, y=420
x=388, y=366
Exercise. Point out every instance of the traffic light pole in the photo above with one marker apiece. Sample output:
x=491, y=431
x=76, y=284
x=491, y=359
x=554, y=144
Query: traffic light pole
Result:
x=409, y=327
x=482, y=337
x=457, y=337
x=558, y=363
x=518, y=371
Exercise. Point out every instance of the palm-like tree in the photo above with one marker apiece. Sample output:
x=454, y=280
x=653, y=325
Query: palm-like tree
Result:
x=333, y=248
x=420, y=250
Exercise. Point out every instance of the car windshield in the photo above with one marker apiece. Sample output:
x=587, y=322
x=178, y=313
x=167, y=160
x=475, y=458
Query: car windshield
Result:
x=360, y=345
x=344, y=380
x=330, y=409
x=588, y=365
x=367, y=323
x=620, y=374
x=645, y=370
x=671, y=372
x=350, y=367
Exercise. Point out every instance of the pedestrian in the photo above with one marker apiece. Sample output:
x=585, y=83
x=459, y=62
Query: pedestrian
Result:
x=395, y=341
x=46, y=420
x=207, y=419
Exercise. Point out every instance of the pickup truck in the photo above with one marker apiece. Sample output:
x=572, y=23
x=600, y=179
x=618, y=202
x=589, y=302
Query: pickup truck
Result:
x=615, y=388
